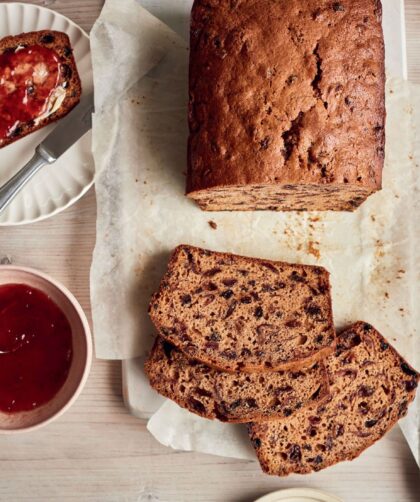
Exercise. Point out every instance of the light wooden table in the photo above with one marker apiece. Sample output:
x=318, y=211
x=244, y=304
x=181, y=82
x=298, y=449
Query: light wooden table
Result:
x=97, y=451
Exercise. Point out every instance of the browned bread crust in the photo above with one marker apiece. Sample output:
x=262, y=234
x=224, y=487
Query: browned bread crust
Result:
x=371, y=387
x=69, y=77
x=287, y=104
x=232, y=397
x=236, y=313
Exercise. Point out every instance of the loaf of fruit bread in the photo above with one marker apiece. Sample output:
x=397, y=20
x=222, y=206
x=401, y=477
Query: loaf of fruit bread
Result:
x=286, y=106
x=39, y=82
x=232, y=397
x=371, y=386
x=244, y=314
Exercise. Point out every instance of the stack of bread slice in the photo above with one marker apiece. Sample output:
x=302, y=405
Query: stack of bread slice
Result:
x=253, y=341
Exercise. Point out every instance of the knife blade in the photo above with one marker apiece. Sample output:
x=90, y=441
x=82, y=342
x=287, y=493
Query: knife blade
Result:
x=68, y=131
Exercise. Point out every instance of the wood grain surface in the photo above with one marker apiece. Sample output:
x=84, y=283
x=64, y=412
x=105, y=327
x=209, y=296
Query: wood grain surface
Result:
x=97, y=451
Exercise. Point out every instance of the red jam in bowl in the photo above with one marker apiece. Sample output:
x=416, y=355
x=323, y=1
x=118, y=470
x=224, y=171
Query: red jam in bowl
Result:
x=28, y=77
x=35, y=348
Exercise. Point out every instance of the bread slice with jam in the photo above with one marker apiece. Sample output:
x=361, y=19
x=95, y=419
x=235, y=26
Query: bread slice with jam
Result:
x=39, y=82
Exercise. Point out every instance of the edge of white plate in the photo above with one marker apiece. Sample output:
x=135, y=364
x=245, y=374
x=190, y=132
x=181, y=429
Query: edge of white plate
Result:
x=299, y=494
x=57, y=14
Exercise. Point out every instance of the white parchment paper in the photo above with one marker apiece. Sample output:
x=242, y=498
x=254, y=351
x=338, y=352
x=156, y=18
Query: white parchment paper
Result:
x=139, y=144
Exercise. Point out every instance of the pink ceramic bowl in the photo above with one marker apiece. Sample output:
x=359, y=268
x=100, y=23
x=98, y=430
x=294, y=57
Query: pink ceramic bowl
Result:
x=82, y=351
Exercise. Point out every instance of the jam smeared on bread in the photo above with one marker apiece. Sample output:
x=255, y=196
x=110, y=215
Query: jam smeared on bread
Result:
x=28, y=78
x=371, y=386
x=244, y=314
x=232, y=397
x=39, y=82
x=287, y=104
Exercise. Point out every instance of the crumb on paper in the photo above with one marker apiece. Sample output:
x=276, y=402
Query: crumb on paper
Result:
x=386, y=294
x=379, y=249
x=212, y=224
x=289, y=231
x=314, y=219
x=313, y=249
x=372, y=217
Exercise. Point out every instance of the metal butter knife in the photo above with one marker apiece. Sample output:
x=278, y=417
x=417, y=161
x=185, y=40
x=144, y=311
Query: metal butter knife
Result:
x=69, y=130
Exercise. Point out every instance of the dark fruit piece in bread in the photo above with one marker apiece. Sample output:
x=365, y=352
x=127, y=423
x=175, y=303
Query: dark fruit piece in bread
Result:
x=232, y=397
x=244, y=314
x=66, y=90
x=371, y=386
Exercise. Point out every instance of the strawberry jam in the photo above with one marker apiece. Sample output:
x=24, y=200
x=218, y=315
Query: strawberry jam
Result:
x=35, y=348
x=28, y=77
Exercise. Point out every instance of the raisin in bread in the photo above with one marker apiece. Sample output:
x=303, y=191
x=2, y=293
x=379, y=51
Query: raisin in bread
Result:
x=302, y=128
x=39, y=82
x=371, y=387
x=235, y=313
x=232, y=397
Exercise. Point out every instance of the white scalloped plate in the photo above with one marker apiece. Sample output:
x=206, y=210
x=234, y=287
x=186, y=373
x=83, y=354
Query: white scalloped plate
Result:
x=299, y=495
x=59, y=185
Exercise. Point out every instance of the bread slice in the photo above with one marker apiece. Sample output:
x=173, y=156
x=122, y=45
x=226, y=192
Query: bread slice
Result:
x=231, y=397
x=371, y=386
x=39, y=82
x=244, y=314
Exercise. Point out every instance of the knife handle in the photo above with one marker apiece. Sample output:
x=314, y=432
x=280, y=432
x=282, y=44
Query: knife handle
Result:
x=12, y=187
